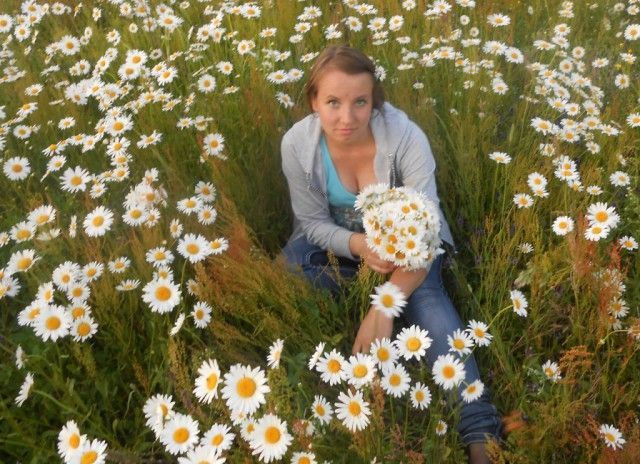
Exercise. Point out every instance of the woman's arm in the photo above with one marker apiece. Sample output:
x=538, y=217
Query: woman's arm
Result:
x=311, y=208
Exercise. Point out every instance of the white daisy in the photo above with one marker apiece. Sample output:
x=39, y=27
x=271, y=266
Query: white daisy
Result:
x=352, y=410
x=219, y=437
x=332, y=368
x=384, y=352
x=460, y=342
x=157, y=410
x=562, y=225
x=551, y=370
x=270, y=439
x=161, y=295
x=93, y=451
x=360, y=370
x=473, y=391
x=519, y=302
x=193, y=247
x=202, y=454
x=25, y=388
x=388, y=299
x=420, y=396
x=179, y=434
x=207, y=381
x=395, y=381
x=321, y=409
x=319, y=351
x=53, y=322
x=98, y=222
x=479, y=333
x=83, y=328
x=447, y=371
x=201, y=314
x=612, y=436
x=275, y=351
x=412, y=342
x=69, y=440
x=244, y=388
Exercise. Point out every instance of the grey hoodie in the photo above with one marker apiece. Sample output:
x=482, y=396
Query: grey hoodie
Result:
x=403, y=157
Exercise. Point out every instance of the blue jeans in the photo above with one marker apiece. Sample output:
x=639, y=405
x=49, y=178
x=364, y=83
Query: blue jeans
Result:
x=430, y=308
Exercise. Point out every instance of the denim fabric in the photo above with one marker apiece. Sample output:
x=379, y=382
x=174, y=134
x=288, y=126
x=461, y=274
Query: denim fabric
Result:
x=429, y=307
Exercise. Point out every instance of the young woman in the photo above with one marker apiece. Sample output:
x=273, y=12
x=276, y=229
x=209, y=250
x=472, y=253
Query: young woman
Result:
x=354, y=139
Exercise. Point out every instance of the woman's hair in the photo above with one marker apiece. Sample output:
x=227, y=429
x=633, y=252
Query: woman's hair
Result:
x=349, y=61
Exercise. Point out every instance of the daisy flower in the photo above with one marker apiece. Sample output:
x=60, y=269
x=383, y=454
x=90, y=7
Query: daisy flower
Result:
x=316, y=355
x=388, y=299
x=479, y=333
x=189, y=205
x=321, y=409
x=193, y=247
x=522, y=200
x=447, y=371
x=603, y=215
x=360, y=370
x=94, y=451
x=16, y=168
x=177, y=325
x=275, y=351
x=53, y=322
x=98, y=222
x=441, y=428
x=244, y=388
x=83, y=328
x=74, y=180
x=384, y=352
x=69, y=440
x=157, y=410
x=473, y=391
x=420, y=396
x=460, y=342
x=21, y=261
x=395, y=381
x=332, y=368
x=207, y=215
x=270, y=439
x=161, y=295
x=497, y=20
x=612, y=436
x=202, y=454
x=551, y=370
x=219, y=437
x=562, y=225
x=206, y=83
x=303, y=458
x=201, y=314
x=25, y=388
x=595, y=232
x=207, y=381
x=412, y=342
x=519, y=302
x=179, y=434
x=352, y=410
x=628, y=243
x=218, y=245
x=213, y=145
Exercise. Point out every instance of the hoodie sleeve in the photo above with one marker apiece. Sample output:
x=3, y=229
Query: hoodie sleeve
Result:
x=310, y=207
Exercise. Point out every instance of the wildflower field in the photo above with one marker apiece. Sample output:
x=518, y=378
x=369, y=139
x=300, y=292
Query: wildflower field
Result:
x=145, y=314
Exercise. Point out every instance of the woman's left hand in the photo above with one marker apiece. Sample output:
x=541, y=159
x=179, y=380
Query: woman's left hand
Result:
x=375, y=325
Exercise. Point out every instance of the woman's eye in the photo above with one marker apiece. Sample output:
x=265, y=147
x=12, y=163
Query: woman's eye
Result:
x=361, y=102
x=333, y=103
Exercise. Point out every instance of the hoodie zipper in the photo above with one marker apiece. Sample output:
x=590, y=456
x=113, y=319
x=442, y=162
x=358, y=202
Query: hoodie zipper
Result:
x=310, y=186
x=392, y=170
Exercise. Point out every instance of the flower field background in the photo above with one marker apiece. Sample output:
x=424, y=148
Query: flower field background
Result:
x=142, y=209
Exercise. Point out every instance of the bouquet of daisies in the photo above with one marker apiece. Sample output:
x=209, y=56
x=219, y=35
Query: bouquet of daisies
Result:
x=403, y=227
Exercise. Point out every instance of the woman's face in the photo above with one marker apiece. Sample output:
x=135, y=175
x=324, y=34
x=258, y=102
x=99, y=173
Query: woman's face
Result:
x=344, y=103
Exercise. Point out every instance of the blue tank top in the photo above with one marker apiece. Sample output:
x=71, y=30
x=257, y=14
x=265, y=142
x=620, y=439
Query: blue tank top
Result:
x=337, y=194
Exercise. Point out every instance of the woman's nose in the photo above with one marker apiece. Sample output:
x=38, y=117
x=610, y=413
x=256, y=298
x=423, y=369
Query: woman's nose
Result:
x=346, y=115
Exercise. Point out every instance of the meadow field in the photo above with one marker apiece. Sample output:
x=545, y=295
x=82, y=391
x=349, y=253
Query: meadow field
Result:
x=145, y=313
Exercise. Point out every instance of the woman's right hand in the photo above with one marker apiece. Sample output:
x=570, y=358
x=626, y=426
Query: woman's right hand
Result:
x=358, y=246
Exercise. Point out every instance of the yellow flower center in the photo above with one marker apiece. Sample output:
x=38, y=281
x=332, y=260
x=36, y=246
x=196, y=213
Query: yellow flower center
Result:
x=181, y=435
x=458, y=344
x=413, y=344
x=360, y=371
x=272, y=435
x=333, y=366
x=24, y=263
x=448, y=372
x=89, y=457
x=479, y=332
x=16, y=168
x=354, y=408
x=192, y=248
x=212, y=381
x=471, y=389
x=74, y=440
x=304, y=460
x=84, y=329
x=23, y=234
x=77, y=292
x=77, y=312
x=75, y=180
x=383, y=354
x=217, y=440
x=163, y=293
x=199, y=314
x=320, y=410
x=609, y=437
x=420, y=395
x=53, y=322
x=394, y=380
x=246, y=387
x=601, y=216
x=387, y=300
x=136, y=213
